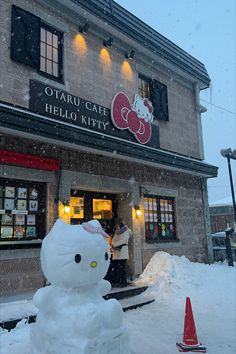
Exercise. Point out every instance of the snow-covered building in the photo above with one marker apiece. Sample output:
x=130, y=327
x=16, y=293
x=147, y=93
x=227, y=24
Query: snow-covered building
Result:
x=99, y=117
x=221, y=214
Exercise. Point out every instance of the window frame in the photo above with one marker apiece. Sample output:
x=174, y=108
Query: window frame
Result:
x=149, y=81
x=159, y=223
x=158, y=96
x=55, y=31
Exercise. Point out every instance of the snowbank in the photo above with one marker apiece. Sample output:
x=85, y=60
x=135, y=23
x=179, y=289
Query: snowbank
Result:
x=172, y=278
x=155, y=328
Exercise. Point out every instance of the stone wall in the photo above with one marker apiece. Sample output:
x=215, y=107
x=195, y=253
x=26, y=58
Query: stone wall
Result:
x=94, y=172
x=91, y=75
x=20, y=271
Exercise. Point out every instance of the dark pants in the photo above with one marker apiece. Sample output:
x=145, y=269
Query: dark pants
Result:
x=119, y=275
x=116, y=273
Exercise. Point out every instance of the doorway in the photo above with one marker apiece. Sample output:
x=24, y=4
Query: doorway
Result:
x=86, y=205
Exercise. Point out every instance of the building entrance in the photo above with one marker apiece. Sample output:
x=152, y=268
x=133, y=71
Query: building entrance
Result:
x=85, y=205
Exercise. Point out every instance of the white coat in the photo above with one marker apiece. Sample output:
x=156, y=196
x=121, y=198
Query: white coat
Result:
x=118, y=240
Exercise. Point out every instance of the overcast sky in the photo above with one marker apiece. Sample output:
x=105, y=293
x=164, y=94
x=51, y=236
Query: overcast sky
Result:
x=207, y=30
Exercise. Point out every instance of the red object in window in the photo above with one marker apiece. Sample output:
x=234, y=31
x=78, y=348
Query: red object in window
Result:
x=30, y=161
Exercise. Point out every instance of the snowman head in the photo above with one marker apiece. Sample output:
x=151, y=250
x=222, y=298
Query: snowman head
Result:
x=143, y=108
x=73, y=256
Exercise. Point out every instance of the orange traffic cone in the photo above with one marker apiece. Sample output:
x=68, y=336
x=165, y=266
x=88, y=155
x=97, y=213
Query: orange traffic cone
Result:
x=190, y=341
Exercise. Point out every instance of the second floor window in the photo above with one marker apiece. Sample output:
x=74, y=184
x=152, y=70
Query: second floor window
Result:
x=144, y=88
x=156, y=92
x=50, y=51
x=36, y=44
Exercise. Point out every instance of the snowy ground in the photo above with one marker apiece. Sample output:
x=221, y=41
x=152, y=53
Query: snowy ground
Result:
x=155, y=328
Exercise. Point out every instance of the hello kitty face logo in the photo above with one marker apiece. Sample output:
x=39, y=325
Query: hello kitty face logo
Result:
x=143, y=108
x=73, y=255
x=136, y=117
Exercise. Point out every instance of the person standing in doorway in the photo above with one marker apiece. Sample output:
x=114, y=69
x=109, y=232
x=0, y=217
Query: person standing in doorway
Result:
x=120, y=252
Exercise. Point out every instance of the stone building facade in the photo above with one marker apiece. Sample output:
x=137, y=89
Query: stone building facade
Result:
x=69, y=133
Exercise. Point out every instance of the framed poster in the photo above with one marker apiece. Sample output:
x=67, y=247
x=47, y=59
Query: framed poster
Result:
x=20, y=219
x=30, y=231
x=33, y=193
x=19, y=232
x=33, y=205
x=9, y=204
x=21, y=204
x=30, y=219
x=22, y=193
x=7, y=219
x=10, y=192
x=6, y=231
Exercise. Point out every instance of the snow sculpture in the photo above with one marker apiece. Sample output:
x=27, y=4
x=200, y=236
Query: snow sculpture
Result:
x=73, y=317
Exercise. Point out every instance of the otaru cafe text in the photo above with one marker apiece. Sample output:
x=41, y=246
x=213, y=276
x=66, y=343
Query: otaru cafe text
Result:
x=63, y=106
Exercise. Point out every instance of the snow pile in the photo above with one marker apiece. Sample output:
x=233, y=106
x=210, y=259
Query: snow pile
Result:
x=17, y=309
x=172, y=278
x=155, y=328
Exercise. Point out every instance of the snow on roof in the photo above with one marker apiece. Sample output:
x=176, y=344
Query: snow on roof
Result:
x=219, y=234
x=224, y=201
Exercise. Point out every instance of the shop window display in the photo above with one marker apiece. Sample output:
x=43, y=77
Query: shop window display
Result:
x=159, y=215
x=22, y=210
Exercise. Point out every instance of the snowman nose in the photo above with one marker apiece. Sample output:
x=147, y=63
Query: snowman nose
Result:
x=93, y=264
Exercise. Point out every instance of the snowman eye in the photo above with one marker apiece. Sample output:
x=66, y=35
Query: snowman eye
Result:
x=106, y=256
x=77, y=258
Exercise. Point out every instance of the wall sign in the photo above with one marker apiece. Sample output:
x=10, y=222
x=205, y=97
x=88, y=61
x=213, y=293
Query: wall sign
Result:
x=137, y=118
x=64, y=107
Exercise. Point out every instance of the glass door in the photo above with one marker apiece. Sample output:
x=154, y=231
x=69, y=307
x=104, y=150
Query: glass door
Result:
x=85, y=205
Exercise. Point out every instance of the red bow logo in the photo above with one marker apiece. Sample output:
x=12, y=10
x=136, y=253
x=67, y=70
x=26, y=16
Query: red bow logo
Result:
x=127, y=116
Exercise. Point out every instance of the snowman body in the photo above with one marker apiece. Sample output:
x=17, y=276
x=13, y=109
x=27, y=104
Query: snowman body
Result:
x=72, y=315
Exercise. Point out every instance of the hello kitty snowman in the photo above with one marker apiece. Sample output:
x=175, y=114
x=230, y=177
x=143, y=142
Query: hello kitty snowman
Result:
x=73, y=317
